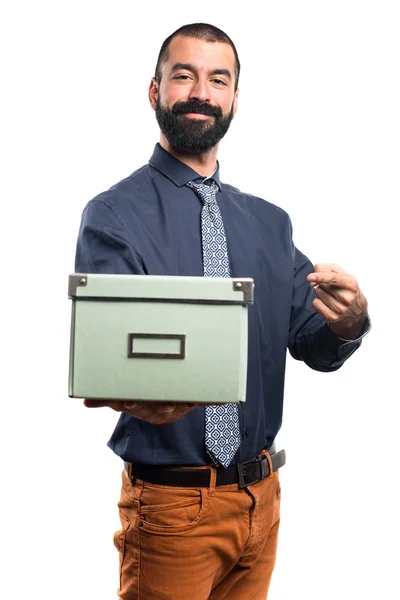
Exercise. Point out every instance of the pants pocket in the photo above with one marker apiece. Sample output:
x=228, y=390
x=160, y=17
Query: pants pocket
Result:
x=126, y=541
x=171, y=509
x=278, y=487
x=119, y=539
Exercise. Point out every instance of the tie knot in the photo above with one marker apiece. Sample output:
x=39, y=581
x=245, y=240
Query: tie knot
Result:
x=206, y=191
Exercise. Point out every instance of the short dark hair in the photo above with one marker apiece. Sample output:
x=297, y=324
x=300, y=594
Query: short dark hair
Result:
x=201, y=31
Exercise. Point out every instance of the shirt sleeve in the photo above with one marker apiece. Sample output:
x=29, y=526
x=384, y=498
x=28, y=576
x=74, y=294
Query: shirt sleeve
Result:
x=366, y=329
x=104, y=243
x=310, y=337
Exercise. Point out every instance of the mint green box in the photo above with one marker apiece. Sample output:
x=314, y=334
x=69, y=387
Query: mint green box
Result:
x=142, y=337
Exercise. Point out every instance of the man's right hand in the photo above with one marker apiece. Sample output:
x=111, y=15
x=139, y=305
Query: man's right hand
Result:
x=156, y=413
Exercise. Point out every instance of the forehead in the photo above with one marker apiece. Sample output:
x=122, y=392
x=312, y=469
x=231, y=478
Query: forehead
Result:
x=200, y=54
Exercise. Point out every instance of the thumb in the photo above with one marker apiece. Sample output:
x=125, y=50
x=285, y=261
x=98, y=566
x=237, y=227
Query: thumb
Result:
x=93, y=403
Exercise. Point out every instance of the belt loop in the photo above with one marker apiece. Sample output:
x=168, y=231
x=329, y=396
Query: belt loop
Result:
x=128, y=469
x=271, y=468
x=213, y=480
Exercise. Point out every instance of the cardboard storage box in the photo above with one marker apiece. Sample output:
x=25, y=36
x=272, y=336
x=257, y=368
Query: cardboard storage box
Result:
x=142, y=337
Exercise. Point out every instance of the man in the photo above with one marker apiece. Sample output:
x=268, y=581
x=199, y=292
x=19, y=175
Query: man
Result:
x=199, y=522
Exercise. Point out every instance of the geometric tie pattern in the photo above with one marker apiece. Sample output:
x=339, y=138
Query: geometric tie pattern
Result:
x=222, y=431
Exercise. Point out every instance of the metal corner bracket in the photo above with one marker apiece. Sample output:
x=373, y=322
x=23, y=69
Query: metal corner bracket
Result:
x=76, y=280
x=245, y=286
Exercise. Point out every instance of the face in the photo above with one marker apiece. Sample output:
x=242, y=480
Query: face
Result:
x=196, y=99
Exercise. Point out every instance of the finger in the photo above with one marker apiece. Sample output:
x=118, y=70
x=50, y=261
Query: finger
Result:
x=324, y=311
x=93, y=403
x=130, y=405
x=114, y=404
x=143, y=411
x=166, y=408
x=320, y=267
x=139, y=409
x=158, y=413
x=331, y=302
x=335, y=279
x=178, y=408
x=342, y=295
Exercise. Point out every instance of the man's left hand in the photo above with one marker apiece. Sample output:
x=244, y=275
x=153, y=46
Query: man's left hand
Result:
x=339, y=300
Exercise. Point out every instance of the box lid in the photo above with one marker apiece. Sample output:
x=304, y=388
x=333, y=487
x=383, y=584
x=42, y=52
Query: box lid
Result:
x=224, y=290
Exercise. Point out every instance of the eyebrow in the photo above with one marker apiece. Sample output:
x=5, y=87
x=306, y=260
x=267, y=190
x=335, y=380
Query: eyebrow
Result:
x=188, y=67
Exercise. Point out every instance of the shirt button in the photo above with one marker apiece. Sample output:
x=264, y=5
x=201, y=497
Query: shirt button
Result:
x=247, y=431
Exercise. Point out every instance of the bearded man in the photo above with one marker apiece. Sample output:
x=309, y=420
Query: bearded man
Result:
x=199, y=520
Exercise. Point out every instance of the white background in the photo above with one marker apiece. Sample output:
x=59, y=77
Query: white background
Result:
x=317, y=133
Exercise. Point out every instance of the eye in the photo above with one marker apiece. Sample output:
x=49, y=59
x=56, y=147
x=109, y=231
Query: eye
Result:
x=184, y=77
x=219, y=81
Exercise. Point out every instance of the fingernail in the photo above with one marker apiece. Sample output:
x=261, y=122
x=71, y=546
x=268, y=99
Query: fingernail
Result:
x=129, y=404
x=167, y=409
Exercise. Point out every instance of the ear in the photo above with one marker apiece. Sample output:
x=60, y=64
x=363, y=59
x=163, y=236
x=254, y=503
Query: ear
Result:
x=235, y=102
x=153, y=93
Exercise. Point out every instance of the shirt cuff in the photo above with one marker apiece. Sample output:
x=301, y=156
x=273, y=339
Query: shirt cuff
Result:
x=366, y=329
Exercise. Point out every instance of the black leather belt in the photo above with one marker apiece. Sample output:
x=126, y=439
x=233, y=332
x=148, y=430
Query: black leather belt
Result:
x=244, y=473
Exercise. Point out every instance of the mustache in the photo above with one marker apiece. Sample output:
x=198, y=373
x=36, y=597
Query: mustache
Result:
x=194, y=106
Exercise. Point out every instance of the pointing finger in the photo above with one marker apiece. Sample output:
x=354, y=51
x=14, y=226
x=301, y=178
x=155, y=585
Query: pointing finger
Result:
x=328, y=267
x=332, y=278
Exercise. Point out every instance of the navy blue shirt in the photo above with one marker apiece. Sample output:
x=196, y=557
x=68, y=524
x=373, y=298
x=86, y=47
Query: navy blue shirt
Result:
x=149, y=224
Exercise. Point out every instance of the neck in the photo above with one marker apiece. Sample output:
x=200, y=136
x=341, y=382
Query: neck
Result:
x=203, y=163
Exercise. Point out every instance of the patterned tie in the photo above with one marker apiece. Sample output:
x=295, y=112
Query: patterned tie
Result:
x=222, y=432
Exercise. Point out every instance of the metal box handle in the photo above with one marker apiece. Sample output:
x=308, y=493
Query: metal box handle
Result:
x=157, y=336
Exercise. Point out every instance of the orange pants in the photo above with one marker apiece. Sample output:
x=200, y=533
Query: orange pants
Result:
x=197, y=543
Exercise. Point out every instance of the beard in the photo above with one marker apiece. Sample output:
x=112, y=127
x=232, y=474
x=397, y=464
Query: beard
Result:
x=192, y=136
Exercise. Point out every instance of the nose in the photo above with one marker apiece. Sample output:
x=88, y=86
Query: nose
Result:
x=200, y=90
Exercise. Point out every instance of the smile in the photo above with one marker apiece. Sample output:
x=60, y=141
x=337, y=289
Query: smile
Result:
x=196, y=116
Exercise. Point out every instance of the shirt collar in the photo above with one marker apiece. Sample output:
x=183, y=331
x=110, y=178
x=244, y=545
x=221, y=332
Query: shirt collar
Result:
x=177, y=171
